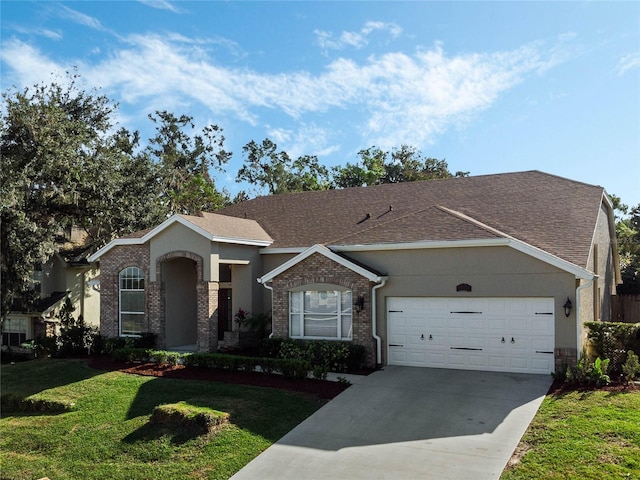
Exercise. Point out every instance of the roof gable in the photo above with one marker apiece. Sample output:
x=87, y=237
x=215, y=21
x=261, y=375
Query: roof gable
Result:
x=322, y=250
x=214, y=227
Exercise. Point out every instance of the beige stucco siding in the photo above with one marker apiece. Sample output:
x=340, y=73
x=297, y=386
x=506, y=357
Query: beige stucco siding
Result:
x=178, y=237
x=247, y=294
x=85, y=299
x=491, y=272
x=601, y=263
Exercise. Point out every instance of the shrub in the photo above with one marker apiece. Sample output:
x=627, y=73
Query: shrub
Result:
x=288, y=367
x=631, y=368
x=128, y=354
x=145, y=340
x=587, y=372
x=612, y=340
x=321, y=354
x=76, y=338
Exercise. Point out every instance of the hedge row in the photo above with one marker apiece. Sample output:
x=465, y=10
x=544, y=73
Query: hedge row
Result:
x=613, y=340
x=323, y=355
x=288, y=367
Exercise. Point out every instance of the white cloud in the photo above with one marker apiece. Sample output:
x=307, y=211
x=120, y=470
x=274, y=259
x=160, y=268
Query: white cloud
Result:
x=161, y=5
x=388, y=99
x=305, y=140
x=81, y=18
x=27, y=65
x=628, y=62
x=359, y=39
x=44, y=32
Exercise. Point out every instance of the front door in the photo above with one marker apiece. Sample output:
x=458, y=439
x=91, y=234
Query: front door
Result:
x=224, y=312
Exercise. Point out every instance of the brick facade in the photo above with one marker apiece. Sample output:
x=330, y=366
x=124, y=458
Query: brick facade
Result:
x=320, y=269
x=123, y=256
x=111, y=264
x=565, y=357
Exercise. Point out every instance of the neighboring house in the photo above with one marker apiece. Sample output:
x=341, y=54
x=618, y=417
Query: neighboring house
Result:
x=66, y=274
x=495, y=272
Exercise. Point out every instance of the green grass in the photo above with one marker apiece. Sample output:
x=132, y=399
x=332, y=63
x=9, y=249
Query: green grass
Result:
x=108, y=433
x=582, y=435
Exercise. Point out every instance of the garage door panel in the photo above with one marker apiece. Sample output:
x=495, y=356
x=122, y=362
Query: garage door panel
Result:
x=500, y=334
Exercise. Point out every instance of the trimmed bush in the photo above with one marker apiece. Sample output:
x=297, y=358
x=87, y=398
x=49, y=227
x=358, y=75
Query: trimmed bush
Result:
x=183, y=415
x=145, y=340
x=323, y=355
x=129, y=354
x=292, y=368
x=613, y=340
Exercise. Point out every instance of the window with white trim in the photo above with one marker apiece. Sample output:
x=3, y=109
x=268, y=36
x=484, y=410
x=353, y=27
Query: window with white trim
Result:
x=131, y=283
x=14, y=331
x=321, y=314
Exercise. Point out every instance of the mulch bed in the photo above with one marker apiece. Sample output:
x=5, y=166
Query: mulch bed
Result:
x=558, y=387
x=323, y=389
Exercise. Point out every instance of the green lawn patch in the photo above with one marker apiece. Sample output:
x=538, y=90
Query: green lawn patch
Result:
x=108, y=433
x=582, y=435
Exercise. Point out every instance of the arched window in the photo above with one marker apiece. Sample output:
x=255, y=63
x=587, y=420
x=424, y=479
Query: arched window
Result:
x=131, y=301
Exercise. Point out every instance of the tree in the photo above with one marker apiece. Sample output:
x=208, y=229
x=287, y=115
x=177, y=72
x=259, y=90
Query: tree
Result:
x=276, y=172
x=405, y=164
x=62, y=165
x=628, y=236
x=184, y=160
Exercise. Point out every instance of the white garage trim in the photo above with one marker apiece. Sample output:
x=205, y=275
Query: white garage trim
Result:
x=494, y=334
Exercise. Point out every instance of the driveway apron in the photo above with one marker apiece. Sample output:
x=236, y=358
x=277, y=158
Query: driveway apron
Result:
x=409, y=423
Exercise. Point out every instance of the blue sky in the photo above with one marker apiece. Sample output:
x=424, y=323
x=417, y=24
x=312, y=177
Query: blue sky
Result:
x=491, y=87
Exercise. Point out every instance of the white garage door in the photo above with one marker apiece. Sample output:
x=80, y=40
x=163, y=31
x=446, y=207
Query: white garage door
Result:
x=495, y=334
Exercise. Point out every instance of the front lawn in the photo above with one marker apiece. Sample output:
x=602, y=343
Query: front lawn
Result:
x=582, y=435
x=107, y=434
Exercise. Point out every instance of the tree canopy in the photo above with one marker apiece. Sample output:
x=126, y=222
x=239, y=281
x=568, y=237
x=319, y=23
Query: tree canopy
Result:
x=66, y=163
x=404, y=164
x=276, y=172
x=628, y=234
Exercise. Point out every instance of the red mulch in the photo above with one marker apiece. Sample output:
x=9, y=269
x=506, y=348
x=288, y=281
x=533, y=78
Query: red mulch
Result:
x=558, y=387
x=323, y=389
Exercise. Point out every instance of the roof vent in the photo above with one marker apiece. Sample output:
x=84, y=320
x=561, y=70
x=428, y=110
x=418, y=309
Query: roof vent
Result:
x=366, y=217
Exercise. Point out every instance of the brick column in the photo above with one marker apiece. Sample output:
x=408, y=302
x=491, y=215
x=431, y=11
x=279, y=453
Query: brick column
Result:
x=207, y=294
x=157, y=317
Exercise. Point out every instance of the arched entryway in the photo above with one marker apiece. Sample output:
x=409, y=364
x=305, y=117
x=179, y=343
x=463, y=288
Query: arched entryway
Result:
x=179, y=276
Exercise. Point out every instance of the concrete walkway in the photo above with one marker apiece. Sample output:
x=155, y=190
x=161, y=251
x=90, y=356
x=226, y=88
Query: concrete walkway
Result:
x=409, y=423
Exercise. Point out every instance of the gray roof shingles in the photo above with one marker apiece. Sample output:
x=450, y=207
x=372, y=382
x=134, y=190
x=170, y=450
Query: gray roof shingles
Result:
x=552, y=213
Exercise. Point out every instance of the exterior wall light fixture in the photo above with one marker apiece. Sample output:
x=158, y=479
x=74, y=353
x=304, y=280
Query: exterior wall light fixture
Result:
x=567, y=307
x=359, y=304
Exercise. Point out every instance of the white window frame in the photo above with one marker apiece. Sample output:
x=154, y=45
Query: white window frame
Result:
x=299, y=316
x=140, y=276
x=16, y=326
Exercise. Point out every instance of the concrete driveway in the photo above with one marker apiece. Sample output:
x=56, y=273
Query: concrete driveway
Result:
x=409, y=423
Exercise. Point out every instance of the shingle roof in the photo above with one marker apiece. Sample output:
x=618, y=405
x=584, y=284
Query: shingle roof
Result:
x=229, y=227
x=552, y=213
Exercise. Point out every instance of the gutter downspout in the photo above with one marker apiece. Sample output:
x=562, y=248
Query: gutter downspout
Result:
x=578, y=329
x=270, y=288
x=374, y=321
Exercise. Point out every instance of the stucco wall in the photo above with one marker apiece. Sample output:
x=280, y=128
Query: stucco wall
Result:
x=178, y=237
x=491, y=271
x=179, y=275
